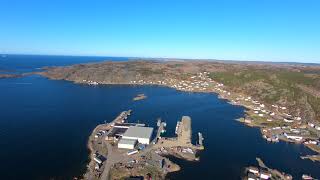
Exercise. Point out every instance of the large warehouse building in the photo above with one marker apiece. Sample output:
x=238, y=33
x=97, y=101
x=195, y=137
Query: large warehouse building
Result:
x=127, y=143
x=141, y=134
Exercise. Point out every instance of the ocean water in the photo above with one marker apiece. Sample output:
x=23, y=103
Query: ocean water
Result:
x=29, y=63
x=45, y=124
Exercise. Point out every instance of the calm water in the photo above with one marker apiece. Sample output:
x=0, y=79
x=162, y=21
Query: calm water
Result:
x=44, y=126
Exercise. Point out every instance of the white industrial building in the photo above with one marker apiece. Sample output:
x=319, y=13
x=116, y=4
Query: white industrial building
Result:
x=127, y=143
x=141, y=134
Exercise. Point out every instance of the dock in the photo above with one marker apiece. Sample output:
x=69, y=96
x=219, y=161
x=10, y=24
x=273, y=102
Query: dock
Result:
x=184, y=130
x=200, y=141
x=121, y=118
x=160, y=130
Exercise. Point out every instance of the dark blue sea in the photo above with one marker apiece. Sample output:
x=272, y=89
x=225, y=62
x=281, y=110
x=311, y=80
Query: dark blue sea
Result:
x=45, y=124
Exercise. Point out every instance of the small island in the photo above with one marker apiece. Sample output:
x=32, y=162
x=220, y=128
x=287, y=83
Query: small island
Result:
x=120, y=149
x=139, y=97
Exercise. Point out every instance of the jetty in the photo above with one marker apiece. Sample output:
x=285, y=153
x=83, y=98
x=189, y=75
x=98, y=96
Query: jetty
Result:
x=184, y=130
x=200, y=141
x=161, y=126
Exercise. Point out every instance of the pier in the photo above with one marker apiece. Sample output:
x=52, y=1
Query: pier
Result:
x=161, y=126
x=184, y=130
x=200, y=141
x=121, y=118
x=184, y=135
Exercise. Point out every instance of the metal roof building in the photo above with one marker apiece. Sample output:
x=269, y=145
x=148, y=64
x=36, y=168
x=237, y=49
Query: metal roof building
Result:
x=127, y=143
x=142, y=134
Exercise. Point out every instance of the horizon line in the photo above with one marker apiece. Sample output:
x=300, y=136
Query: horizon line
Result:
x=166, y=58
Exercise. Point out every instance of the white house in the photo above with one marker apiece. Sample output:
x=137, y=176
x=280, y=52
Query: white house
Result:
x=287, y=120
x=253, y=170
x=265, y=175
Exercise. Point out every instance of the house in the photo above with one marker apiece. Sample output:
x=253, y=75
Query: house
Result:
x=311, y=142
x=265, y=175
x=287, y=120
x=253, y=170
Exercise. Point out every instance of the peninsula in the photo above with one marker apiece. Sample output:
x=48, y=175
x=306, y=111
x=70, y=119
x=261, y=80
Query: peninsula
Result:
x=10, y=75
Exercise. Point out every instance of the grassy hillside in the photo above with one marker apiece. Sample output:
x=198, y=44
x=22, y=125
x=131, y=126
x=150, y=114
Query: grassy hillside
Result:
x=295, y=89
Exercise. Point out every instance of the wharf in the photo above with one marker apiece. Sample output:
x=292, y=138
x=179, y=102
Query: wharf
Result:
x=160, y=130
x=200, y=141
x=183, y=138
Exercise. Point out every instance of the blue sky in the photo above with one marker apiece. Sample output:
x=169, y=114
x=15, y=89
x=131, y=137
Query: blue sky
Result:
x=268, y=30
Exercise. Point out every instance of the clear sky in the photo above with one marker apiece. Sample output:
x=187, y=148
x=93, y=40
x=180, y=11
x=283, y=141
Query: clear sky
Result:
x=268, y=30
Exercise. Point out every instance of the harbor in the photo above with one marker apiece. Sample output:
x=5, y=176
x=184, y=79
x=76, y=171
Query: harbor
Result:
x=89, y=106
x=120, y=149
x=278, y=122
